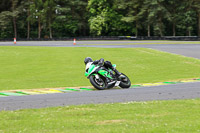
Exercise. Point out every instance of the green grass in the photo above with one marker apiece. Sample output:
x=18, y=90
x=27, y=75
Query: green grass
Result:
x=152, y=117
x=42, y=67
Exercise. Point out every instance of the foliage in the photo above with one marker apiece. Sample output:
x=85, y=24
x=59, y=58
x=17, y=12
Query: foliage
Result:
x=63, y=18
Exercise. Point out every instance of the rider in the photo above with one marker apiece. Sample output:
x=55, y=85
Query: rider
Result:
x=106, y=64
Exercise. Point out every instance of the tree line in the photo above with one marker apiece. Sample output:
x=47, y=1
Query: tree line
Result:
x=67, y=18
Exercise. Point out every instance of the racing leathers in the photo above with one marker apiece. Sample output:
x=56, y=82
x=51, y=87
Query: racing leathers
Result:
x=106, y=64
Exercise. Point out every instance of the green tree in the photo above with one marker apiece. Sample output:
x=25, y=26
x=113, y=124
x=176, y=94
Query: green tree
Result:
x=195, y=4
x=81, y=15
x=131, y=14
x=103, y=17
x=5, y=5
x=71, y=18
x=187, y=18
x=11, y=14
x=6, y=26
x=49, y=12
x=14, y=15
x=27, y=7
x=62, y=18
x=174, y=9
x=37, y=14
x=187, y=21
x=144, y=17
x=98, y=10
x=157, y=15
x=97, y=23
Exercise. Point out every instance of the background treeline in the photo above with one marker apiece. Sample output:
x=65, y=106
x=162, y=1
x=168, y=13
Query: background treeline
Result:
x=66, y=18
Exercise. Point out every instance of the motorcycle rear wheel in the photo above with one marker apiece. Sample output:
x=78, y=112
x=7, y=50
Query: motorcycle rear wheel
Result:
x=99, y=83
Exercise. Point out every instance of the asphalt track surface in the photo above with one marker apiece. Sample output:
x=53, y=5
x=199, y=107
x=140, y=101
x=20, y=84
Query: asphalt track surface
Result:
x=169, y=92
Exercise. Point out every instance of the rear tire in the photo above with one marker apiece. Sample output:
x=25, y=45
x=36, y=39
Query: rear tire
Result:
x=99, y=84
x=125, y=83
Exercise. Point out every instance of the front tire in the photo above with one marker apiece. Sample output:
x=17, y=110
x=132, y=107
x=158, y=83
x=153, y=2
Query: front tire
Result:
x=99, y=83
x=125, y=82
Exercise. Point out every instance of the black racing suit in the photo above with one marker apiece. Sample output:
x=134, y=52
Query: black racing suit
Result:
x=106, y=64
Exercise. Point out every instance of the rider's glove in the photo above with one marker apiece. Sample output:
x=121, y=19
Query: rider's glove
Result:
x=100, y=64
x=101, y=61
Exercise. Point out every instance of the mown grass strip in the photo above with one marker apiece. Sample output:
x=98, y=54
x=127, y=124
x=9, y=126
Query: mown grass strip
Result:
x=48, y=67
x=130, y=117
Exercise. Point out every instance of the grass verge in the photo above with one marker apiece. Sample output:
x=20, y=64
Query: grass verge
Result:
x=49, y=67
x=154, y=116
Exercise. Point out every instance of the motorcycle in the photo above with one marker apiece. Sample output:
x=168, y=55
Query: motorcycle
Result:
x=99, y=75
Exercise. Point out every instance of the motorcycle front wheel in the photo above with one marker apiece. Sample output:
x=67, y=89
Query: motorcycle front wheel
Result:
x=125, y=82
x=98, y=82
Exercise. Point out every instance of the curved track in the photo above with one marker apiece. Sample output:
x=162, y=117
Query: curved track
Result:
x=176, y=91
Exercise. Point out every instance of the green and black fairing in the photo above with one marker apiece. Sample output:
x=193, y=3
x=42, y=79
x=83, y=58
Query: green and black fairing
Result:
x=93, y=69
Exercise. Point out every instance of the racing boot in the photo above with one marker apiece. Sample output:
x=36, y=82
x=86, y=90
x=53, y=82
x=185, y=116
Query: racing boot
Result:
x=118, y=74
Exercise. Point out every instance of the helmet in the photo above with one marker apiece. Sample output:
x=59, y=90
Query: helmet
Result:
x=88, y=59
